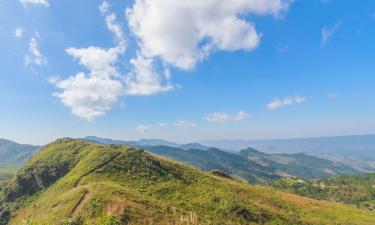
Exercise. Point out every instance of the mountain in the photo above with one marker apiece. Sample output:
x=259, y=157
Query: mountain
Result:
x=357, y=190
x=193, y=146
x=215, y=159
x=12, y=156
x=142, y=142
x=357, y=151
x=12, y=153
x=255, y=166
x=70, y=181
x=343, y=145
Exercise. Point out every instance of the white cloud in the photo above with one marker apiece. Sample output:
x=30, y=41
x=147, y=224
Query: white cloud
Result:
x=278, y=103
x=144, y=79
x=34, y=56
x=185, y=124
x=91, y=95
x=18, y=33
x=100, y=61
x=104, y=7
x=182, y=33
x=142, y=128
x=220, y=117
x=35, y=2
x=327, y=33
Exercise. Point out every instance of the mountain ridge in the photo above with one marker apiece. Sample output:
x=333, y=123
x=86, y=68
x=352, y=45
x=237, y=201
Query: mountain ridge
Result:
x=141, y=188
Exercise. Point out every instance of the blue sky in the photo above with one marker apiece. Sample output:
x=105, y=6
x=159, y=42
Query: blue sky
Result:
x=186, y=72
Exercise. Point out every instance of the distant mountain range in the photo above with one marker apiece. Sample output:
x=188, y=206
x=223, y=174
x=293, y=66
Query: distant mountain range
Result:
x=12, y=153
x=248, y=164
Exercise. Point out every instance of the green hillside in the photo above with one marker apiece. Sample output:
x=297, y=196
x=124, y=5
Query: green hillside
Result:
x=76, y=179
x=357, y=190
x=255, y=166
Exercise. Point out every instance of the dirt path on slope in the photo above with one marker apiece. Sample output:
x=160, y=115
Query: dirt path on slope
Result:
x=86, y=196
x=78, y=183
x=78, y=207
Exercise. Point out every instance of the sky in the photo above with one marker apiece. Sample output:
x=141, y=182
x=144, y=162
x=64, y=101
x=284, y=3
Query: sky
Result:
x=186, y=70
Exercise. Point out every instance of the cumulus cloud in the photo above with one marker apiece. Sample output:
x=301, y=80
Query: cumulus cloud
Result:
x=279, y=103
x=35, y=2
x=182, y=33
x=142, y=128
x=34, y=56
x=144, y=79
x=220, y=117
x=185, y=124
x=18, y=32
x=328, y=32
x=91, y=95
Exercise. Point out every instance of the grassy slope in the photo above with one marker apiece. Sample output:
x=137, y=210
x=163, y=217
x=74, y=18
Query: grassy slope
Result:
x=152, y=190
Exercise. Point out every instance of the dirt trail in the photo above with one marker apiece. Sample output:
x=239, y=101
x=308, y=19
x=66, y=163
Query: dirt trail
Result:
x=86, y=196
x=78, y=207
x=78, y=183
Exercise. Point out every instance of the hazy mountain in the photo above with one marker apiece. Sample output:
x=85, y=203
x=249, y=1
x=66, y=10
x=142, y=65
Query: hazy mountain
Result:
x=354, y=151
x=12, y=153
x=70, y=181
x=255, y=166
x=344, y=145
x=193, y=146
x=142, y=142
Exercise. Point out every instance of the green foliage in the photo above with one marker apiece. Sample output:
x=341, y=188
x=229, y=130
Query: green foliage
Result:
x=108, y=219
x=29, y=222
x=357, y=190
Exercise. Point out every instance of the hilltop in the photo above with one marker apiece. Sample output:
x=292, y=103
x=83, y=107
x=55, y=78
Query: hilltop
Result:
x=76, y=179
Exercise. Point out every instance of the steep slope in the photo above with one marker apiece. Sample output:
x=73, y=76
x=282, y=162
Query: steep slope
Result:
x=71, y=178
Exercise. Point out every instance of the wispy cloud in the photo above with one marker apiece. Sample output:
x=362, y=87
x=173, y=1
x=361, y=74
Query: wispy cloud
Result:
x=19, y=32
x=185, y=124
x=34, y=55
x=328, y=32
x=143, y=128
x=221, y=117
x=35, y=2
x=279, y=103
